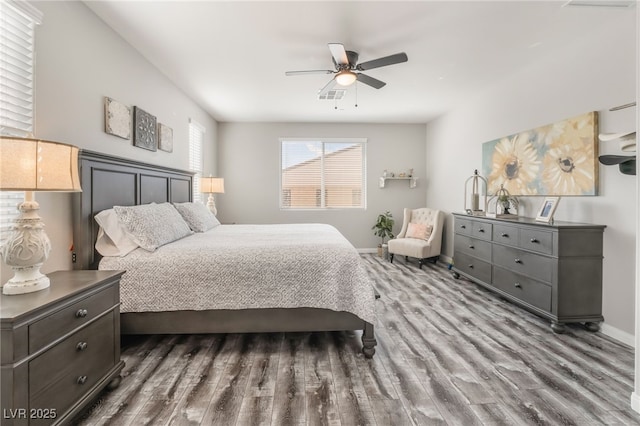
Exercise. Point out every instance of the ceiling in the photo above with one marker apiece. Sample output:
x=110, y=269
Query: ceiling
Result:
x=231, y=56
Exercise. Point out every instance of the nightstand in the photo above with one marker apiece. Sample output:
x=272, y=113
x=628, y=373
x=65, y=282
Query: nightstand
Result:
x=60, y=346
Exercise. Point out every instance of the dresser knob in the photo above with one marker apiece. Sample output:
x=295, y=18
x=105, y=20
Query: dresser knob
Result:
x=505, y=235
x=481, y=230
x=472, y=246
x=471, y=266
x=534, y=240
x=518, y=285
x=463, y=227
x=518, y=261
x=81, y=346
x=81, y=313
x=81, y=380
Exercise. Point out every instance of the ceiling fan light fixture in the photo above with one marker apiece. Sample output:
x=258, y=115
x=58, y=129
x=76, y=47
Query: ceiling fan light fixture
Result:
x=346, y=78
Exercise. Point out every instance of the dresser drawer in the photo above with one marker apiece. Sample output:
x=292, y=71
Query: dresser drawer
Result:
x=463, y=226
x=504, y=234
x=44, y=331
x=526, y=289
x=87, y=352
x=474, y=247
x=522, y=262
x=536, y=240
x=482, y=230
x=476, y=268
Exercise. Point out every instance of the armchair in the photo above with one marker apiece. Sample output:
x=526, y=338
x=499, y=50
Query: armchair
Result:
x=420, y=237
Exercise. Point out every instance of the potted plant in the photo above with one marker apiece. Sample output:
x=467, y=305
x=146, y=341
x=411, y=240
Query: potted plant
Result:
x=383, y=228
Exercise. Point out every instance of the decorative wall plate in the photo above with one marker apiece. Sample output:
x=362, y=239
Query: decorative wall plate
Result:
x=145, y=129
x=117, y=118
x=165, y=138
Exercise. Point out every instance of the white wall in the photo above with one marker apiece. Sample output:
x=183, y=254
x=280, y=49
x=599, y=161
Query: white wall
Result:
x=249, y=161
x=79, y=60
x=597, y=74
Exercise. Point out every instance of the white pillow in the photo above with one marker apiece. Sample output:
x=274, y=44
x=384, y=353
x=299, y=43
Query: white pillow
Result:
x=197, y=215
x=112, y=237
x=153, y=225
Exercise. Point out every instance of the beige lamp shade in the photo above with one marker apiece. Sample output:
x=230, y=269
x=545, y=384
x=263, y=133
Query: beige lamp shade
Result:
x=213, y=185
x=38, y=165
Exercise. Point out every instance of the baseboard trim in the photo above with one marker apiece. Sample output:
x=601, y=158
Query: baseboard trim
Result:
x=619, y=335
x=635, y=401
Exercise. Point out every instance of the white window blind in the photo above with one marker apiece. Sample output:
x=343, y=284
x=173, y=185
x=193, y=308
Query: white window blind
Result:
x=17, y=69
x=196, y=164
x=322, y=174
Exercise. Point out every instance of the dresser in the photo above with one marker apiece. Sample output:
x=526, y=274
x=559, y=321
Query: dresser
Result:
x=60, y=347
x=553, y=270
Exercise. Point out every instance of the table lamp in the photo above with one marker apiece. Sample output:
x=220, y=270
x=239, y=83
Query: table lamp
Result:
x=212, y=185
x=32, y=165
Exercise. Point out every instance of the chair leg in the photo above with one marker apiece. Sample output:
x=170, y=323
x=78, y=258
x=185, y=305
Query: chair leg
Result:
x=406, y=258
x=420, y=263
x=391, y=257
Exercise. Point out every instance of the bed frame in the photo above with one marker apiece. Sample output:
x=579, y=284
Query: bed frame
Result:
x=108, y=181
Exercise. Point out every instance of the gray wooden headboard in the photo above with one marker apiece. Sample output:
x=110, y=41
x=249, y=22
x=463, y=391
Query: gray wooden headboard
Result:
x=109, y=181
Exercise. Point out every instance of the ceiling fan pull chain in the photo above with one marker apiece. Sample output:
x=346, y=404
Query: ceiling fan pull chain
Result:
x=356, y=85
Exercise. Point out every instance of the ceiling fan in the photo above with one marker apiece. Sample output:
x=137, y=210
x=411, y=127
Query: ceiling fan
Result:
x=347, y=68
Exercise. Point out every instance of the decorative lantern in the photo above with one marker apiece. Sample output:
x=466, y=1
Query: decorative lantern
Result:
x=475, y=200
x=502, y=204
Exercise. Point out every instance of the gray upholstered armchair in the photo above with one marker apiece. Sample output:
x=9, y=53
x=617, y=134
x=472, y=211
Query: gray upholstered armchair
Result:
x=420, y=237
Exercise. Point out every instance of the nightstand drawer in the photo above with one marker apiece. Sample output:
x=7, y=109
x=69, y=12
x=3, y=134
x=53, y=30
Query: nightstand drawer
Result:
x=88, y=352
x=44, y=331
x=529, y=291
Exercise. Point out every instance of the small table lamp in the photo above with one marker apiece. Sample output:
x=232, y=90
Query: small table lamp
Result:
x=212, y=185
x=32, y=165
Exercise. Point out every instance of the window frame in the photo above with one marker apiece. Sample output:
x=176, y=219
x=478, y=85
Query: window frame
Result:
x=323, y=141
x=196, y=165
x=19, y=90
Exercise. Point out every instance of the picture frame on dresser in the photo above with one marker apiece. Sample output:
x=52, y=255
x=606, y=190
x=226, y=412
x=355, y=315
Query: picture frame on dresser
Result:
x=547, y=209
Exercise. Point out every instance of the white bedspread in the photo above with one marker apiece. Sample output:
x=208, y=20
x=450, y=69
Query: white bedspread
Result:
x=248, y=266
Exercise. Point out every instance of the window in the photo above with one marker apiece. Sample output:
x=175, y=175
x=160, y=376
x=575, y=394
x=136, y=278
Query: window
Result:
x=17, y=51
x=322, y=173
x=196, y=143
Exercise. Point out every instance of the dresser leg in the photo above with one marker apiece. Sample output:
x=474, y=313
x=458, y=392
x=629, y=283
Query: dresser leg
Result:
x=558, y=328
x=114, y=383
x=592, y=326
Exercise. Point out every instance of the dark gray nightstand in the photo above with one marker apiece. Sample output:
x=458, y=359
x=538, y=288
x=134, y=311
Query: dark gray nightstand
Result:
x=60, y=346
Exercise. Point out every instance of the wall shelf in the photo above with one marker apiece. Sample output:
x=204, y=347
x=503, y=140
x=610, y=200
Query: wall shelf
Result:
x=413, y=181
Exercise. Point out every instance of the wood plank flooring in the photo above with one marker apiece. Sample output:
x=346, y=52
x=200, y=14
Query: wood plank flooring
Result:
x=449, y=353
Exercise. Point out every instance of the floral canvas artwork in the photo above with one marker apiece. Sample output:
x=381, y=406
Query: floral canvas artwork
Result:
x=557, y=159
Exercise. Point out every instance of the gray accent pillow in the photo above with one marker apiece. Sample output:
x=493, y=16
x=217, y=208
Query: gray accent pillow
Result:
x=152, y=225
x=197, y=215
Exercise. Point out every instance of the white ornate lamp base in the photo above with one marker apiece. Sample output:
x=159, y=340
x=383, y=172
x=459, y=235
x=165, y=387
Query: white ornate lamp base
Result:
x=211, y=204
x=26, y=249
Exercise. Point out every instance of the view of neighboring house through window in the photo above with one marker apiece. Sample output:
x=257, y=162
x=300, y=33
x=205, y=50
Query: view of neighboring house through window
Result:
x=322, y=173
x=196, y=164
x=17, y=46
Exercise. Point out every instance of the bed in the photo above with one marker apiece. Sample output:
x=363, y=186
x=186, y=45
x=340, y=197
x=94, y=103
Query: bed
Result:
x=249, y=278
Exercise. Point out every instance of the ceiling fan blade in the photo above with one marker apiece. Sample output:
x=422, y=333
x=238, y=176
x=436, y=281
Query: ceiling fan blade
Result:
x=327, y=87
x=339, y=54
x=309, y=72
x=373, y=82
x=383, y=62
